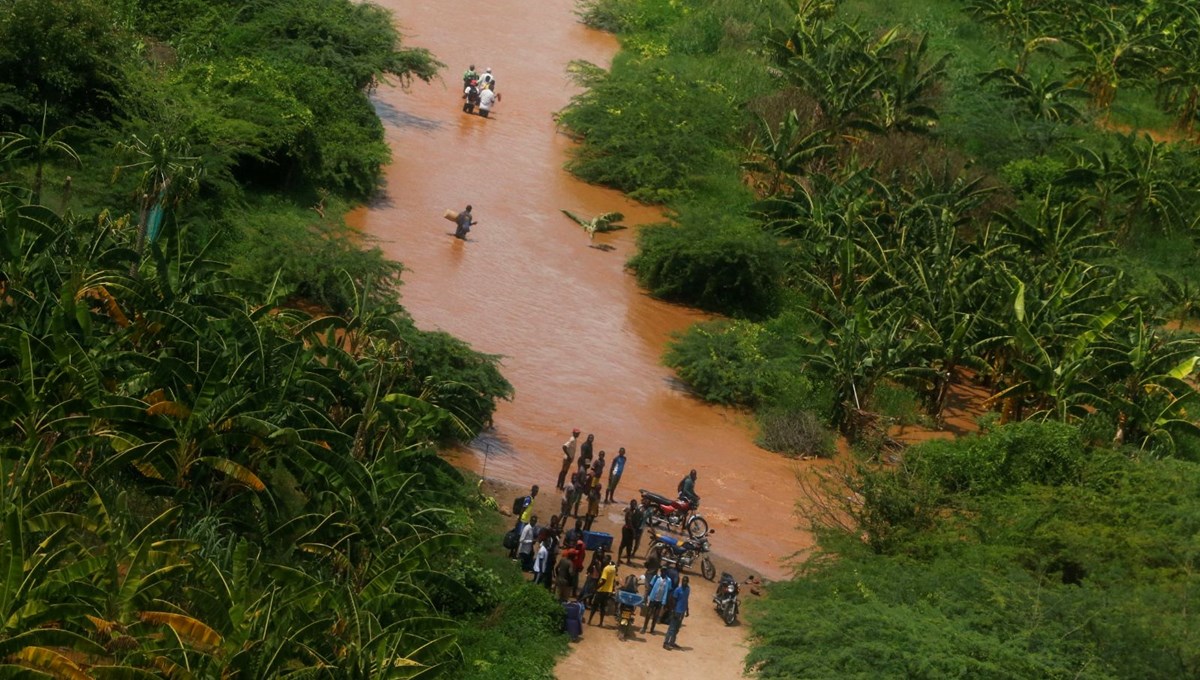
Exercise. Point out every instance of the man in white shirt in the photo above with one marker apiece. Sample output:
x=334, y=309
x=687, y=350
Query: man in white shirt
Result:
x=528, y=535
x=541, y=570
x=488, y=80
x=486, y=99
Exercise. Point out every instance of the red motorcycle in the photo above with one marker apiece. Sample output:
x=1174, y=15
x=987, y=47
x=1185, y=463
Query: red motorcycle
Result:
x=674, y=514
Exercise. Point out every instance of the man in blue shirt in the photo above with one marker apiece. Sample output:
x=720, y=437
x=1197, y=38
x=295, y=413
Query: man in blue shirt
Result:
x=656, y=599
x=614, y=475
x=681, y=610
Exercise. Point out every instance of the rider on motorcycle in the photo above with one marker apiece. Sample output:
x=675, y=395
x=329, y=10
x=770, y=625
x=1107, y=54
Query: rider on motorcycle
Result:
x=687, y=489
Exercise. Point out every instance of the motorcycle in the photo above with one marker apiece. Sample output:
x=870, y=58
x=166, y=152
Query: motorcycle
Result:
x=726, y=598
x=674, y=514
x=627, y=604
x=684, y=553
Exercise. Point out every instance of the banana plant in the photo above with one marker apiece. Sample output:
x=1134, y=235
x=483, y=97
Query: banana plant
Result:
x=1041, y=97
x=779, y=155
x=907, y=93
x=1107, y=51
x=1181, y=298
x=39, y=147
x=1147, y=372
x=37, y=595
x=1053, y=367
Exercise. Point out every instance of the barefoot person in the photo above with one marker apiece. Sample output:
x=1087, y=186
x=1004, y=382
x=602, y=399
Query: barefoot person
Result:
x=593, y=508
x=614, y=475
x=568, y=449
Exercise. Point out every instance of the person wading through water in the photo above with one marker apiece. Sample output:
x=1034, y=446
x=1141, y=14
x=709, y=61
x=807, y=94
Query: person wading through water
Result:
x=464, y=221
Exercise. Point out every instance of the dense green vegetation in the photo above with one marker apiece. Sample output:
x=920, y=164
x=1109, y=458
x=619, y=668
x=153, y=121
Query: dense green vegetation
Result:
x=194, y=477
x=198, y=479
x=875, y=255
x=1018, y=554
x=247, y=121
x=894, y=198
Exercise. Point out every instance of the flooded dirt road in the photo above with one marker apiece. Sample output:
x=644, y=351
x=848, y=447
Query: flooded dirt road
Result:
x=581, y=343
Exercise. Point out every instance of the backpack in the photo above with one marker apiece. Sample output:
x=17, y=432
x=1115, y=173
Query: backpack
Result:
x=519, y=505
x=511, y=539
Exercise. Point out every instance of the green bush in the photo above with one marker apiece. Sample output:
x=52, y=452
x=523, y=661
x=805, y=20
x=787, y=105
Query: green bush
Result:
x=517, y=632
x=897, y=402
x=66, y=55
x=728, y=269
x=795, y=433
x=650, y=125
x=722, y=361
x=1093, y=578
x=1018, y=453
x=316, y=259
x=1034, y=178
x=521, y=638
x=627, y=16
x=457, y=378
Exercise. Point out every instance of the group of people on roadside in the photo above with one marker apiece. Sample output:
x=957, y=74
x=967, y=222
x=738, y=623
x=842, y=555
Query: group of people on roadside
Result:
x=479, y=91
x=586, y=477
x=556, y=555
x=666, y=593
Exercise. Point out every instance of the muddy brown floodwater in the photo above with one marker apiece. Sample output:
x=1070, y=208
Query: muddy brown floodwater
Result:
x=581, y=342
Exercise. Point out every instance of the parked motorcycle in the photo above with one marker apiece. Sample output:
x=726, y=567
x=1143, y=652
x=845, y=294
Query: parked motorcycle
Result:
x=627, y=604
x=674, y=514
x=726, y=598
x=684, y=552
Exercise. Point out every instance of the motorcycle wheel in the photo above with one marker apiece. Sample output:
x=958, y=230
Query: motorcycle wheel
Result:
x=707, y=569
x=729, y=613
x=697, y=527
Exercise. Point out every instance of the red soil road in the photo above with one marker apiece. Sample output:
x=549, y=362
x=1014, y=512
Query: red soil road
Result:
x=581, y=342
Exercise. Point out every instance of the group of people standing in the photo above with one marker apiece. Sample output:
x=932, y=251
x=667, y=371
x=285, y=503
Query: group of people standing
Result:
x=556, y=555
x=586, y=479
x=479, y=91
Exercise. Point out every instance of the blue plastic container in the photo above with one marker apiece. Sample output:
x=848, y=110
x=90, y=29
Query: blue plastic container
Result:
x=597, y=539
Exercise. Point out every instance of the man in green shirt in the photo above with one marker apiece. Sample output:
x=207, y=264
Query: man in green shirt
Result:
x=687, y=488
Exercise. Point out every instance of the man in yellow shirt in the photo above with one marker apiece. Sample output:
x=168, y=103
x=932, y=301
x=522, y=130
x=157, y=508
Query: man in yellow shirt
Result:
x=604, y=590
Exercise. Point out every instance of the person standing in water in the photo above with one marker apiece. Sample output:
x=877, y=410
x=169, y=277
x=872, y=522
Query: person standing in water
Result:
x=471, y=94
x=487, y=99
x=464, y=221
x=470, y=75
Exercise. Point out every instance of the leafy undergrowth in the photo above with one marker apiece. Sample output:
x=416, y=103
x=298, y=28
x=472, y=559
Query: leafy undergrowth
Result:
x=520, y=636
x=1017, y=554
